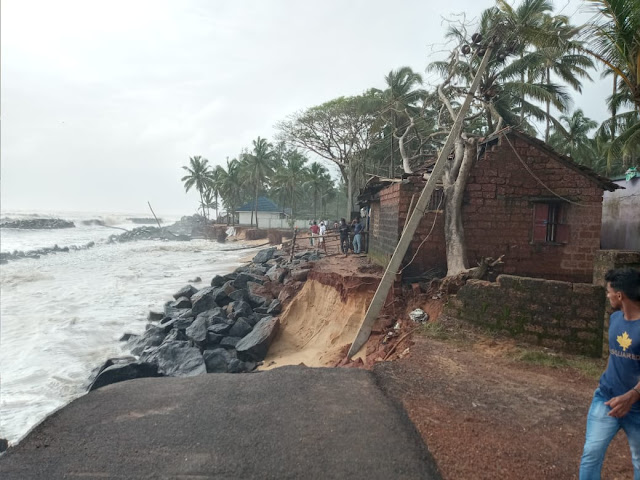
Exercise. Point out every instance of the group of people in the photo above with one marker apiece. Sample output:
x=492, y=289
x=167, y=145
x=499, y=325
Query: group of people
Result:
x=350, y=235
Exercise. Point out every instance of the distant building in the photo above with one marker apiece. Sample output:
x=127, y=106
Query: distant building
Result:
x=523, y=200
x=270, y=215
x=621, y=215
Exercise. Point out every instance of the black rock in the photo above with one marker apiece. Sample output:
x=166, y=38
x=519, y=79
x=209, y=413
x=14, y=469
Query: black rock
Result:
x=155, y=316
x=238, y=366
x=275, y=307
x=220, y=295
x=259, y=270
x=176, y=359
x=217, y=360
x=197, y=331
x=240, y=309
x=261, y=310
x=255, y=345
x=203, y=300
x=241, y=280
x=4, y=444
x=264, y=255
x=219, y=328
x=128, y=336
x=152, y=337
x=186, y=291
x=171, y=311
x=181, y=302
x=257, y=300
x=256, y=317
x=175, y=334
x=229, y=342
x=121, y=372
x=213, y=339
x=218, y=281
x=240, y=328
x=240, y=295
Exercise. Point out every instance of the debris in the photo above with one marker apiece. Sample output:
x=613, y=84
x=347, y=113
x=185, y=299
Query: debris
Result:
x=418, y=316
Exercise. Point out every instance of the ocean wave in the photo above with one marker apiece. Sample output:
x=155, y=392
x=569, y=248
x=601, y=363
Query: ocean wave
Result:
x=9, y=278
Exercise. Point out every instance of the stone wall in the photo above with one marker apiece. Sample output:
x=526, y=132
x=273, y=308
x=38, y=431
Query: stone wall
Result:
x=567, y=317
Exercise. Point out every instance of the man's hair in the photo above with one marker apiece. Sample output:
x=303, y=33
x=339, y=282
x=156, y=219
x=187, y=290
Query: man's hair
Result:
x=625, y=280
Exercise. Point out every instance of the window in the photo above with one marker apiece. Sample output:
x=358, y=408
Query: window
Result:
x=549, y=223
x=436, y=202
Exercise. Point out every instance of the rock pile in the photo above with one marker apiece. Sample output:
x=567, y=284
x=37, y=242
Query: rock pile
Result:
x=226, y=327
x=37, y=223
x=19, y=254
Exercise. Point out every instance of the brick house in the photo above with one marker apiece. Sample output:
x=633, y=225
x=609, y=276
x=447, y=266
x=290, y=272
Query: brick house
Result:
x=538, y=208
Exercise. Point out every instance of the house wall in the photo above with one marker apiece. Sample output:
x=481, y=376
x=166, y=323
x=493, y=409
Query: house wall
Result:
x=568, y=317
x=621, y=217
x=265, y=219
x=498, y=217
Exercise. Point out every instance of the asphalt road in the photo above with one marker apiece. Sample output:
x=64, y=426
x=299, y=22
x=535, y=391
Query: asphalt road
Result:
x=291, y=422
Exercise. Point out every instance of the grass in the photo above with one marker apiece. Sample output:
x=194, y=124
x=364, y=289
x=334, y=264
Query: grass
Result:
x=590, y=367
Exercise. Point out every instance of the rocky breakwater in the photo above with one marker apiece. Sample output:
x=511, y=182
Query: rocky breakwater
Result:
x=226, y=327
x=19, y=254
x=37, y=223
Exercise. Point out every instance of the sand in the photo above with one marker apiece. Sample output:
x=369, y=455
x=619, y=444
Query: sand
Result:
x=315, y=327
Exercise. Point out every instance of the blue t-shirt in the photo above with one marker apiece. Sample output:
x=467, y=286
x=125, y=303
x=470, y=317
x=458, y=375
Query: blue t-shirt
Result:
x=623, y=370
x=357, y=229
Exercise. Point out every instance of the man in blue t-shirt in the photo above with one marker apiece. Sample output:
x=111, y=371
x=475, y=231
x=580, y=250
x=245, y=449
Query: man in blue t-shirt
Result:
x=616, y=401
x=357, y=236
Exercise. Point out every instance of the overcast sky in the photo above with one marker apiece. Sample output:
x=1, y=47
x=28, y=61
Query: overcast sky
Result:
x=104, y=101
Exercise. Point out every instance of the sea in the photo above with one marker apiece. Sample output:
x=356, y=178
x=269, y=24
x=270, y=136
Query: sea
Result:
x=62, y=315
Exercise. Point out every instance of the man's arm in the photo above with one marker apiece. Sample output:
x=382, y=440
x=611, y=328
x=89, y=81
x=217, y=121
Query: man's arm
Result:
x=621, y=404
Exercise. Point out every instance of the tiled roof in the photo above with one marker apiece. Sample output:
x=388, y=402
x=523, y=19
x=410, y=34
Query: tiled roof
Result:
x=264, y=205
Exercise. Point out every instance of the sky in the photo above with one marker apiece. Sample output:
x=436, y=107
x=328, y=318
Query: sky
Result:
x=104, y=101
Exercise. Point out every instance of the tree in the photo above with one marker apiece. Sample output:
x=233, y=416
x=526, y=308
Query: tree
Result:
x=318, y=181
x=217, y=178
x=574, y=140
x=198, y=175
x=339, y=131
x=289, y=178
x=258, y=167
x=614, y=41
x=232, y=191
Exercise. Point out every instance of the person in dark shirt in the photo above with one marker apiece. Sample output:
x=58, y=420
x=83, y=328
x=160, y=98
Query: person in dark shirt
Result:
x=616, y=401
x=344, y=236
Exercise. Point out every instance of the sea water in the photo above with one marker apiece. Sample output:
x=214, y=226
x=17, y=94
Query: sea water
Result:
x=62, y=315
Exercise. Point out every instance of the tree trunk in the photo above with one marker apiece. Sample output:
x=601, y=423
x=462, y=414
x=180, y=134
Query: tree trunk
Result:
x=455, y=182
x=546, y=132
x=350, y=181
x=613, y=108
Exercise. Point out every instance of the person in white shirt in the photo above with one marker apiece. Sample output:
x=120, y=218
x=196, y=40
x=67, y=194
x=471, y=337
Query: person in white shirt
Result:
x=323, y=231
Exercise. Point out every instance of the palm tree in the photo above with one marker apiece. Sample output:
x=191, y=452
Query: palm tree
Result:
x=198, y=175
x=574, y=140
x=217, y=180
x=231, y=189
x=401, y=94
x=614, y=40
x=258, y=167
x=289, y=178
x=318, y=180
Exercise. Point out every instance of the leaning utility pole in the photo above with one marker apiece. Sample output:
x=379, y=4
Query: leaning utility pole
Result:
x=407, y=235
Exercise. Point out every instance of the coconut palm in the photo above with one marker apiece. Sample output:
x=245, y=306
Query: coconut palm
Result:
x=614, y=41
x=231, y=189
x=318, y=181
x=574, y=139
x=258, y=167
x=198, y=176
x=289, y=178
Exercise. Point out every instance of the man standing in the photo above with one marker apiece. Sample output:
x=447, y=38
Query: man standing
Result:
x=315, y=230
x=323, y=232
x=344, y=236
x=357, y=236
x=616, y=401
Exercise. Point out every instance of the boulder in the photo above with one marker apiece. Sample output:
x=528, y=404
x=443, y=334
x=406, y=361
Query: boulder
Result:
x=275, y=307
x=256, y=300
x=277, y=274
x=260, y=310
x=154, y=316
x=240, y=295
x=238, y=366
x=215, y=315
x=242, y=279
x=299, y=275
x=175, y=334
x=218, y=281
x=121, y=372
x=219, y=328
x=197, y=331
x=203, y=301
x=171, y=311
x=181, y=302
x=264, y=255
x=240, y=309
x=259, y=270
x=176, y=359
x=186, y=291
x=152, y=337
x=220, y=296
x=229, y=342
x=240, y=328
x=217, y=360
x=4, y=444
x=128, y=336
x=214, y=339
x=255, y=345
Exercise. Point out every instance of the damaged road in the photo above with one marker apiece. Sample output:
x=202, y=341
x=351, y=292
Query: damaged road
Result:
x=291, y=422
